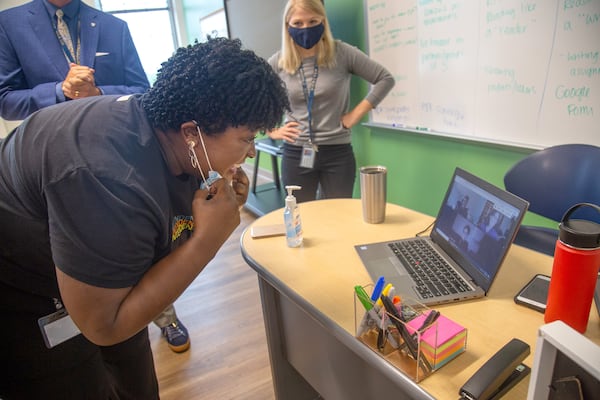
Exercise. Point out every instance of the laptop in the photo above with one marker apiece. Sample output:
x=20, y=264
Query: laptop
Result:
x=472, y=233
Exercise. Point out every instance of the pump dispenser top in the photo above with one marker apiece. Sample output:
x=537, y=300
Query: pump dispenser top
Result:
x=290, y=200
x=291, y=218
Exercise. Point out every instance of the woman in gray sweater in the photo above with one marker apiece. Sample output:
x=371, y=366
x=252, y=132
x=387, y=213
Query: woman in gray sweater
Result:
x=317, y=151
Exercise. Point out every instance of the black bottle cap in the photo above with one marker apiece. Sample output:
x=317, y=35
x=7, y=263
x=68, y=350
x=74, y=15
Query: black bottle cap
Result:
x=579, y=233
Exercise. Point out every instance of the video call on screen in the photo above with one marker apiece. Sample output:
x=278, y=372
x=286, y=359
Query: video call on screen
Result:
x=477, y=223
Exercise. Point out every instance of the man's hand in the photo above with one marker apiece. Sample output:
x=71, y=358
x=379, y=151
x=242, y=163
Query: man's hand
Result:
x=80, y=82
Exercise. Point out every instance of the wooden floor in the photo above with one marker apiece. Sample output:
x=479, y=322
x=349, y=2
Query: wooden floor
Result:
x=228, y=358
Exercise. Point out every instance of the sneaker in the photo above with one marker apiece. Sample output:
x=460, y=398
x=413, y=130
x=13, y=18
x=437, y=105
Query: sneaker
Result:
x=177, y=336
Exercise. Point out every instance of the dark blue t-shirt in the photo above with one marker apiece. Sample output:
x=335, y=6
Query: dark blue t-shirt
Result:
x=84, y=186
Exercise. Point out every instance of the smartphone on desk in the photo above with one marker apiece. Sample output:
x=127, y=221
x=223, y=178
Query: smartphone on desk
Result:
x=535, y=294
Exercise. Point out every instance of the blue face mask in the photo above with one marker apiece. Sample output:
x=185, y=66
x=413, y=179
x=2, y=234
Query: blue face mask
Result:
x=307, y=37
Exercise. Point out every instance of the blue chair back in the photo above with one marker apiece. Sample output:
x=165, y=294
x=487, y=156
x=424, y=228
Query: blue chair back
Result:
x=553, y=180
x=556, y=178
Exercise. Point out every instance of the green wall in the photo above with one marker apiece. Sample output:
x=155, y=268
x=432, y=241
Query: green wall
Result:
x=419, y=165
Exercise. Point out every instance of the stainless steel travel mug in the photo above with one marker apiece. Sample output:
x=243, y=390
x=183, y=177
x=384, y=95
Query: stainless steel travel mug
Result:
x=373, y=193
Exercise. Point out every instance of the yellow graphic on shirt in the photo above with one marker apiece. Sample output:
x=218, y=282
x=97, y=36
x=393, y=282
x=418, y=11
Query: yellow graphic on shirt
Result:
x=180, y=224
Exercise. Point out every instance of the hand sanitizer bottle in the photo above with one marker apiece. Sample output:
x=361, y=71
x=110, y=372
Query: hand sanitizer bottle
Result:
x=291, y=218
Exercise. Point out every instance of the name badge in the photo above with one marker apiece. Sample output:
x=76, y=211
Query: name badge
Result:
x=57, y=328
x=308, y=155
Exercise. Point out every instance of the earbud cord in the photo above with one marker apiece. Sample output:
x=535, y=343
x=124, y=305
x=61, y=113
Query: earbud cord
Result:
x=200, y=169
x=194, y=160
x=204, y=148
x=195, y=157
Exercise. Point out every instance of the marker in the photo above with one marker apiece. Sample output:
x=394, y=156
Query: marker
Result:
x=363, y=297
x=371, y=313
x=385, y=292
x=378, y=289
x=391, y=293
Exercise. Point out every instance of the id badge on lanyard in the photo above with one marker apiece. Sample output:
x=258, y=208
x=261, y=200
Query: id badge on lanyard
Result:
x=57, y=327
x=309, y=150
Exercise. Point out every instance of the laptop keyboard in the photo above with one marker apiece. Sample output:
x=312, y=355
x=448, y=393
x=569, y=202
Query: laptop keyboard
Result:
x=433, y=276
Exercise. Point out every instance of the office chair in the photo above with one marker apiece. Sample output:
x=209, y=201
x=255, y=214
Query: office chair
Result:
x=553, y=180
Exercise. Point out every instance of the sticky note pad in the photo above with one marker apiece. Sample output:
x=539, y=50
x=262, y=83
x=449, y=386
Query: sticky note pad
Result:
x=442, y=341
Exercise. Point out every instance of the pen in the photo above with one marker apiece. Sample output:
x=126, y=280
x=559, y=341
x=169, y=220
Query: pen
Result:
x=411, y=344
x=430, y=319
x=408, y=339
x=427, y=322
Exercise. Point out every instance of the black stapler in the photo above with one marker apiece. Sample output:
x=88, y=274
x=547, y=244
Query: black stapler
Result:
x=499, y=374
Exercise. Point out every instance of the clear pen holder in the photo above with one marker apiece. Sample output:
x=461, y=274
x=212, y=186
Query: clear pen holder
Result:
x=415, y=350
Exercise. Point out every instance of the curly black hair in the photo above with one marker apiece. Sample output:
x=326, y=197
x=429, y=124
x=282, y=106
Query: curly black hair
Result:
x=219, y=85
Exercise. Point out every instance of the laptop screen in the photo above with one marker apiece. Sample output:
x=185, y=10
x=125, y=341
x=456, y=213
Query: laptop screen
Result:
x=476, y=225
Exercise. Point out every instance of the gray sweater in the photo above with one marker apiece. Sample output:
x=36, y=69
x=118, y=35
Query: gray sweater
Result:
x=332, y=92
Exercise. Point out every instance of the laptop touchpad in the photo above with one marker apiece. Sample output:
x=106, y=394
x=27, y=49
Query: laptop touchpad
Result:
x=398, y=265
x=384, y=266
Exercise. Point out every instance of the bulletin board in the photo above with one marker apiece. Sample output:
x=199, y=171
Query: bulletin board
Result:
x=516, y=72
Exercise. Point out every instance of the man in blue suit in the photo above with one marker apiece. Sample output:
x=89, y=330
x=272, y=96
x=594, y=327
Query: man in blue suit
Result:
x=36, y=72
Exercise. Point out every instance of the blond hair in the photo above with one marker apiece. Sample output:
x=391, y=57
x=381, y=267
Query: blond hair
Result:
x=290, y=58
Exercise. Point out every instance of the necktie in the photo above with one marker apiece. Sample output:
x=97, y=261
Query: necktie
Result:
x=65, y=36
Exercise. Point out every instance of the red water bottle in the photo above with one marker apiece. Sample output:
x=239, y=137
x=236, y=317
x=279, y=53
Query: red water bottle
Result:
x=575, y=271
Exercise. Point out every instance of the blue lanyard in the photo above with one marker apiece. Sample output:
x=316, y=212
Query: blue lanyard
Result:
x=309, y=96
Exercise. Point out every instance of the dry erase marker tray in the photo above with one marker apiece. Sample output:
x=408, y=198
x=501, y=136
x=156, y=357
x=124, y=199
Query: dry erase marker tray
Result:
x=414, y=338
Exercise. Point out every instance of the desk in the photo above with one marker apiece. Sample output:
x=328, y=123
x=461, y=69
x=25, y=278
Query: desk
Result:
x=269, y=196
x=308, y=307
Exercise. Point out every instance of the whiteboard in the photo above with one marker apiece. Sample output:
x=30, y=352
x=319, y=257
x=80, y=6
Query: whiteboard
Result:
x=516, y=72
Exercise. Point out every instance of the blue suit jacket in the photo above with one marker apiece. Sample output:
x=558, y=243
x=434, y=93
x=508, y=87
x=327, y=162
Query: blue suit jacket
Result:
x=32, y=61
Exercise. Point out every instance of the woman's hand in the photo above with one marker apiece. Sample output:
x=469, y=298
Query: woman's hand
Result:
x=347, y=121
x=289, y=132
x=216, y=211
x=356, y=114
x=241, y=186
